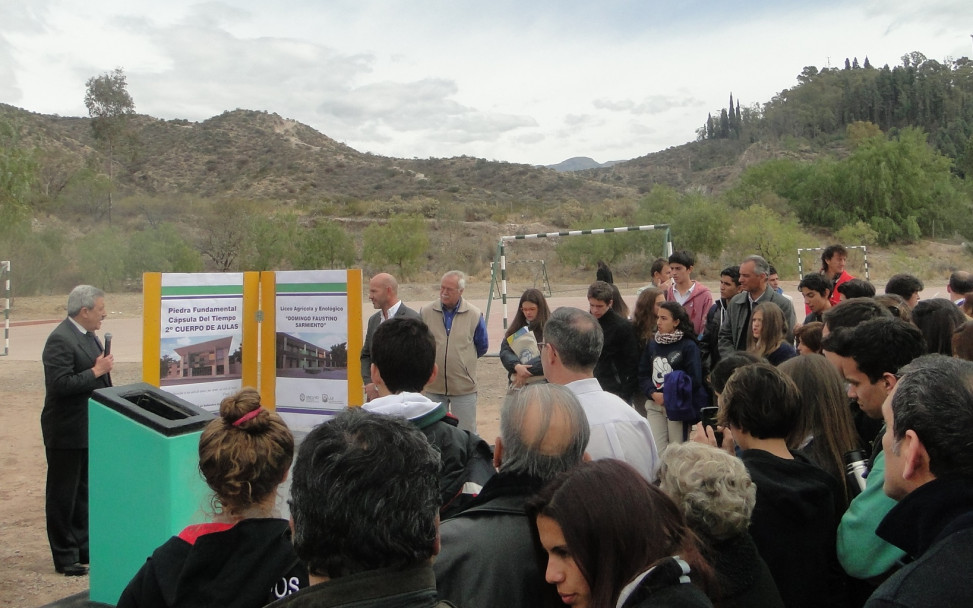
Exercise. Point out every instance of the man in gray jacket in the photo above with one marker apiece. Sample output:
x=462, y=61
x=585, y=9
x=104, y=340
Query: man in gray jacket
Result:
x=487, y=557
x=754, y=273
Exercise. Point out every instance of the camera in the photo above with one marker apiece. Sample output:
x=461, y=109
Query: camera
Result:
x=708, y=415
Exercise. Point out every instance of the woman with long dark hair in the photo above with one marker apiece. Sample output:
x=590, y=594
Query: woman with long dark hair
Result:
x=643, y=321
x=644, y=317
x=673, y=348
x=532, y=313
x=607, y=537
x=826, y=431
x=937, y=319
x=244, y=556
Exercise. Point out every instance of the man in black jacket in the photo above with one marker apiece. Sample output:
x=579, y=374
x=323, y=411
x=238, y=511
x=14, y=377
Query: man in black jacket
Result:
x=618, y=365
x=929, y=470
x=709, y=342
x=403, y=361
x=487, y=556
x=74, y=366
x=365, y=514
x=754, y=273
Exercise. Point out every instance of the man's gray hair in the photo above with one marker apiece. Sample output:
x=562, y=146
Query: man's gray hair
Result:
x=83, y=296
x=760, y=265
x=577, y=336
x=934, y=398
x=460, y=278
x=530, y=447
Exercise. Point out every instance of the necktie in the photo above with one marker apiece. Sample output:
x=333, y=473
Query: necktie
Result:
x=91, y=336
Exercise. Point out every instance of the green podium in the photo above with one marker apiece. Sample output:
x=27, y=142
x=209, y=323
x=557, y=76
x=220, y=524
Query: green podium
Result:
x=143, y=479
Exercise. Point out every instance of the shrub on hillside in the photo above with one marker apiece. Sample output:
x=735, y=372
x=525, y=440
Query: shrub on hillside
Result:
x=760, y=231
x=400, y=242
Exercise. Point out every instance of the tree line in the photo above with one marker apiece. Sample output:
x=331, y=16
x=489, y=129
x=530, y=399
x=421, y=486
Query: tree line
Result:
x=934, y=96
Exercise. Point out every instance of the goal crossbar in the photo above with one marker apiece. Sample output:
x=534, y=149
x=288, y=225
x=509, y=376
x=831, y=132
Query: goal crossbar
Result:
x=500, y=262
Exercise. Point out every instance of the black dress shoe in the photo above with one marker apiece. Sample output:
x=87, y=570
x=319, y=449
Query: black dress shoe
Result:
x=72, y=570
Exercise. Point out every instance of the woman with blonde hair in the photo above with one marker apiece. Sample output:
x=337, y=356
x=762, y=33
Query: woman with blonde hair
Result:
x=244, y=556
x=715, y=492
x=768, y=335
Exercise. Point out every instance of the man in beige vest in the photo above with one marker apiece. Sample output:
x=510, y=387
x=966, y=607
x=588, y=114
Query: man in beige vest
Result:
x=461, y=338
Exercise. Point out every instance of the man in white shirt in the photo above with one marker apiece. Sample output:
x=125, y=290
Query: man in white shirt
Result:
x=573, y=342
x=383, y=291
x=960, y=284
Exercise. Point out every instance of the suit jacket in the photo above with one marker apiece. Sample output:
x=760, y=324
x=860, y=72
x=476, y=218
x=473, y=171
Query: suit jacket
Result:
x=69, y=380
x=404, y=312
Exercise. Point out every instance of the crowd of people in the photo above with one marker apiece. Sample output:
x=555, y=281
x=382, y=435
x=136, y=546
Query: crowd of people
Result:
x=837, y=470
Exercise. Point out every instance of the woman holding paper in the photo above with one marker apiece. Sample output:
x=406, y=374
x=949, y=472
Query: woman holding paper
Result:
x=519, y=351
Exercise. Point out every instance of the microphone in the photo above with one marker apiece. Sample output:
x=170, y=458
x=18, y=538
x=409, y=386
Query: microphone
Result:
x=107, y=344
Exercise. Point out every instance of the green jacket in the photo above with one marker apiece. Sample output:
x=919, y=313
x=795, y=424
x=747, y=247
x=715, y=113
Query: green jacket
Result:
x=860, y=551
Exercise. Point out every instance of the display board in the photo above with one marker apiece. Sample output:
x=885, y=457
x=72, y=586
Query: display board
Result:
x=296, y=336
x=195, y=338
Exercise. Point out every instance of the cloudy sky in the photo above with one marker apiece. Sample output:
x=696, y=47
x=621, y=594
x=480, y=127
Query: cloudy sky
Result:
x=533, y=81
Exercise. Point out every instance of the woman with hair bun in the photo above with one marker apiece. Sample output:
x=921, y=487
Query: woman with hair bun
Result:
x=244, y=556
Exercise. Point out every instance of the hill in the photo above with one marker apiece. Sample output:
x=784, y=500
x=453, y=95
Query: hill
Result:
x=579, y=163
x=263, y=156
x=259, y=155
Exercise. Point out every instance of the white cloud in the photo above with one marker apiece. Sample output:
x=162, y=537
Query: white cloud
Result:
x=530, y=82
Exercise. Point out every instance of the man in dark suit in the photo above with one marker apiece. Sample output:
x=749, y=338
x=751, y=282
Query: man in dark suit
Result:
x=383, y=291
x=74, y=366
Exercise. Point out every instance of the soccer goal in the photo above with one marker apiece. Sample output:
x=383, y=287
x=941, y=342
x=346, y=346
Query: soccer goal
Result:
x=811, y=266
x=498, y=276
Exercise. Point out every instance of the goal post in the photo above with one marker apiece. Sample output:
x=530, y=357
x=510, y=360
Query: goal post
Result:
x=498, y=276
x=5, y=283
x=539, y=276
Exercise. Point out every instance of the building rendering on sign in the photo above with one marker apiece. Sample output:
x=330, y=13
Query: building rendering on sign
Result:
x=294, y=353
x=212, y=358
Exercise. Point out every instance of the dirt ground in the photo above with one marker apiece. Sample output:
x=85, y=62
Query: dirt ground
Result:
x=27, y=577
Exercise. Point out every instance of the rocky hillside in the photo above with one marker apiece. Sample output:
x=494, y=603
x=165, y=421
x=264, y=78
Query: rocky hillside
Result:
x=259, y=155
